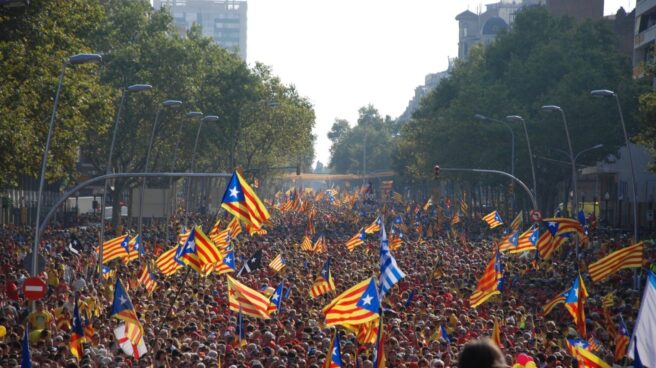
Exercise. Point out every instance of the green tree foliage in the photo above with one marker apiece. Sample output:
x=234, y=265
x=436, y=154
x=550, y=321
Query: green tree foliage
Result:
x=33, y=47
x=348, y=143
x=542, y=60
x=647, y=117
x=262, y=121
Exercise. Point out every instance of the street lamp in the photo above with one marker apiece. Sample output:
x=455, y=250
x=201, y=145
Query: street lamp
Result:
x=166, y=103
x=609, y=93
x=530, y=152
x=108, y=168
x=73, y=60
x=554, y=108
x=512, y=149
x=606, y=198
x=512, y=138
x=189, y=115
x=208, y=118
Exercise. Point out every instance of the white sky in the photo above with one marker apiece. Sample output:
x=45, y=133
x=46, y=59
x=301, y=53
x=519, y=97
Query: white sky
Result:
x=343, y=55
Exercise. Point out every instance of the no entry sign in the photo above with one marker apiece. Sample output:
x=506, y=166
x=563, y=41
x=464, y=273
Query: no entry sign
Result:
x=34, y=288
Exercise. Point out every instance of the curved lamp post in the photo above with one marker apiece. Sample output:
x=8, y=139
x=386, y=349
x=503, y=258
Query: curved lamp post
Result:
x=512, y=138
x=108, y=168
x=208, y=118
x=166, y=103
x=609, y=93
x=530, y=151
x=554, y=108
x=73, y=60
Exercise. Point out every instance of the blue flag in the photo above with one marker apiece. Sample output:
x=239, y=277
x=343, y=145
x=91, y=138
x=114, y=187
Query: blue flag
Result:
x=409, y=300
x=26, y=359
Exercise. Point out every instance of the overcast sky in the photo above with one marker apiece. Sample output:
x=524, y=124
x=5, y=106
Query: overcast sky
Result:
x=343, y=55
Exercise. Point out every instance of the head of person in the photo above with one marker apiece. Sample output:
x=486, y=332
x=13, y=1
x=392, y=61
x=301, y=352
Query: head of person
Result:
x=481, y=354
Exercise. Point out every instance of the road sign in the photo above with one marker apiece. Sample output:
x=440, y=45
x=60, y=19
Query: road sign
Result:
x=536, y=216
x=40, y=263
x=34, y=288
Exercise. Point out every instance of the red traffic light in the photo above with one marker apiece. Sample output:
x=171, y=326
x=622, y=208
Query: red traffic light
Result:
x=436, y=170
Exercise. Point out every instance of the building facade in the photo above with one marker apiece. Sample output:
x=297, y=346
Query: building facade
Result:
x=606, y=189
x=644, y=36
x=225, y=21
x=483, y=28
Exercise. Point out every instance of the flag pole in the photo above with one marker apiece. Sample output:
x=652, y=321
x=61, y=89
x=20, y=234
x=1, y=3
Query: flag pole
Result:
x=177, y=295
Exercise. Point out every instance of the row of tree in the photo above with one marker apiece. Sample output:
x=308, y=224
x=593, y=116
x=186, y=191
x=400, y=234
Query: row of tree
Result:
x=541, y=60
x=262, y=122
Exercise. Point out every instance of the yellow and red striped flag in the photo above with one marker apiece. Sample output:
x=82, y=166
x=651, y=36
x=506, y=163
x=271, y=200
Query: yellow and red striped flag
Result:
x=241, y=201
x=547, y=308
x=356, y=240
x=134, y=248
x=166, y=262
x=320, y=245
x=547, y=244
x=243, y=299
x=496, y=334
x=516, y=224
x=608, y=300
x=456, y=218
x=366, y=333
x=307, y=244
x=563, y=225
x=628, y=257
x=226, y=265
x=148, y=280
x=357, y=305
x=527, y=241
x=324, y=283
x=216, y=230
x=493, y=219
x=278, y=263
x=374, y=227
x=115, y=248
x=488, y=285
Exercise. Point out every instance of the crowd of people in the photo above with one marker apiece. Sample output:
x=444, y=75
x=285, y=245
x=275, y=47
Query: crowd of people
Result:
x=187, y=322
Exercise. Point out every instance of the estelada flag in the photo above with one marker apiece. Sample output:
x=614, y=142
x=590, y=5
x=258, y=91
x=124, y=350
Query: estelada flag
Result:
x=357, y=305
x=243, y=299
x=241, y=201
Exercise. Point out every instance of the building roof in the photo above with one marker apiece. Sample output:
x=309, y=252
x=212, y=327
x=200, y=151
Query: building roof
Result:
x=494, y=25
x=466, y=15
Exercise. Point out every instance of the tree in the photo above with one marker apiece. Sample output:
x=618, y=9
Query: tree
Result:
x=347, y=149
x=33, y=47
x=647, y=115
x=541, y=60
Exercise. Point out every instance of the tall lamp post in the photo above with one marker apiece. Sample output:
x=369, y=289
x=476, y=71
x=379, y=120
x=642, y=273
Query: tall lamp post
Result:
x=606, y=198
x=512, y=138
x=512, y=148
x=609, y=93
x=171, y=206
x=208, y=118
x=73, y=60
x=108, y=168
x=530, y=152
x=576, y=157
x=554, y=108
x=166, y=103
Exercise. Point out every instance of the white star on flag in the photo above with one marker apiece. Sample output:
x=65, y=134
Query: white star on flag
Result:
x=367, y=299
x=234, y=192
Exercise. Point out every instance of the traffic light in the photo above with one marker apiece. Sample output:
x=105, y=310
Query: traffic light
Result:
x=436, y=170
x=298, y=169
